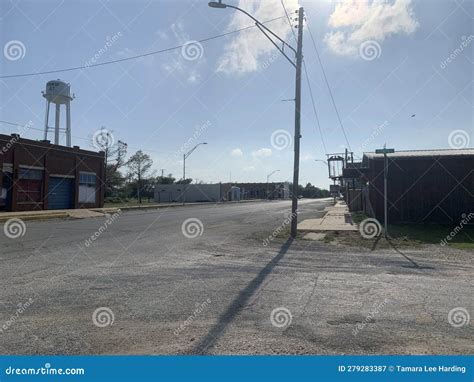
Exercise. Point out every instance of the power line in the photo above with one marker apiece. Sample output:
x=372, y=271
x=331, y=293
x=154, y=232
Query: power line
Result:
x=307, y=80
x=82, y=138
x=289, y=20
x=314, y=107
x=137, y=56
x=329, y=87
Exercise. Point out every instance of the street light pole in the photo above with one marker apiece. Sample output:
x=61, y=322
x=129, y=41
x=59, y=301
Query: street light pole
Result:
x=185, y=156
x=268, y=178
x=299, y=60
x=296, y=161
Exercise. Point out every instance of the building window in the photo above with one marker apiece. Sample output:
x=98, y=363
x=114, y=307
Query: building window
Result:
x=30, y=185
x=87, y=189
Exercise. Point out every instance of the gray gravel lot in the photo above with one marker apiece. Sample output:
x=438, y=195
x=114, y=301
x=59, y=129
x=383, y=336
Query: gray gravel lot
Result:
x=215, y=293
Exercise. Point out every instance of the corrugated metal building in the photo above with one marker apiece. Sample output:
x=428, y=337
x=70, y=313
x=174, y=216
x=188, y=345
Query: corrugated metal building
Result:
x=423, y=185
x=37, y=175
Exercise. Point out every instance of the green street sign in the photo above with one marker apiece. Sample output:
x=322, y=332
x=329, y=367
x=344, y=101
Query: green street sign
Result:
x=384, y=151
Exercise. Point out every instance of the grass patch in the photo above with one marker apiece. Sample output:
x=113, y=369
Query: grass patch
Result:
x=116, y=202
x=357, y=217
x=410, y=235
x=434, y=234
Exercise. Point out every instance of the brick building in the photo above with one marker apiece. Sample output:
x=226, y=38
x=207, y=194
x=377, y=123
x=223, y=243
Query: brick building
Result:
x=37, y=175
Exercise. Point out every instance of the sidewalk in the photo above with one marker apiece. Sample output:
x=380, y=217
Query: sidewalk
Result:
x=57, y=214
x=337, y=218
x=83, y=213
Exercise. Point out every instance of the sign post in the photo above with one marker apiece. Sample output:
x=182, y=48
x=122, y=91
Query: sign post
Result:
x=385, y=151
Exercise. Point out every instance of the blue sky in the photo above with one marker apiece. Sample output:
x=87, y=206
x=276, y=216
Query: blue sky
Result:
x=228, y=91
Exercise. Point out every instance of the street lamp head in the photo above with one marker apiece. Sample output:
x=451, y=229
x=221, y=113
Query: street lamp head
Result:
x=204, y=143
x=215, y=4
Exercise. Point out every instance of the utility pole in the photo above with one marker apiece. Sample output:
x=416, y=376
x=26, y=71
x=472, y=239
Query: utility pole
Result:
x=162, y=172
x=299, y=61
x=296, y=162
x=385, y=151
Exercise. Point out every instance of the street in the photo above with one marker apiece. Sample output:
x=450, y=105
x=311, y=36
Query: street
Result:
x=223, y=284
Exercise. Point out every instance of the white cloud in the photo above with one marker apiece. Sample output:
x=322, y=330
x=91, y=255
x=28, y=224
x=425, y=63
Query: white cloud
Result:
x=356, y=21
x=178, y=63
x=244, y=52
x=262, y=153
x=236, y=153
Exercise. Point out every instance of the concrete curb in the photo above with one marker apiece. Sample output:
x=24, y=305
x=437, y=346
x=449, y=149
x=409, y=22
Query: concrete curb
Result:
x=60, y=215
x=64, y=214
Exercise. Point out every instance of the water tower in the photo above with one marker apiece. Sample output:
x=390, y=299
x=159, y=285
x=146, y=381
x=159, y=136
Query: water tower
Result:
x=59, y=93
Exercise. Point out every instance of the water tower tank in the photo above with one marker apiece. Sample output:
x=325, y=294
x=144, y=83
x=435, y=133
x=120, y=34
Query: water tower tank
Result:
x=58, y=92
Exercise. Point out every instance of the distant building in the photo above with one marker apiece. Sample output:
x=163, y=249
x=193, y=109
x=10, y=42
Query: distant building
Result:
x=37, y=175
x=169, y=193
x=259, y=190
x=423, y=185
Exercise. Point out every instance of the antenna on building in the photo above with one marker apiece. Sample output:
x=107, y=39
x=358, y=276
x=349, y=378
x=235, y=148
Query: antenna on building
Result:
x=59, y=93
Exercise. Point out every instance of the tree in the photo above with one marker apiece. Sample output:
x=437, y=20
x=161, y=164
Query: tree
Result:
x=114, y=182
x=185, y=181
x=165, y=179
x=310, y=191
x=139, y=166
x=114, y=154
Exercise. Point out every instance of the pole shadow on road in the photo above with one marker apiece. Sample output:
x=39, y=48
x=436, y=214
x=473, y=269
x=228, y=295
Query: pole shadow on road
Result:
x=238, y=303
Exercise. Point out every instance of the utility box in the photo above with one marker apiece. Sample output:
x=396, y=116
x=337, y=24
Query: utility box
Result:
x=234, y=194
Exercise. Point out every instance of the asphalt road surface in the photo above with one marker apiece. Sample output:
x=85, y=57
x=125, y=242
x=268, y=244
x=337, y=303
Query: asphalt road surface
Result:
x=144, y=283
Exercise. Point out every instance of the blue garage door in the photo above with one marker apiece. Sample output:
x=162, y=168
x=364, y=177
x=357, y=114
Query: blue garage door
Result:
x=61, y=193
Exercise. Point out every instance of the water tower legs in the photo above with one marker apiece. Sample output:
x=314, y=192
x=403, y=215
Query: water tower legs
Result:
x=46, y=121
x=56, y=124
x=68, y=124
